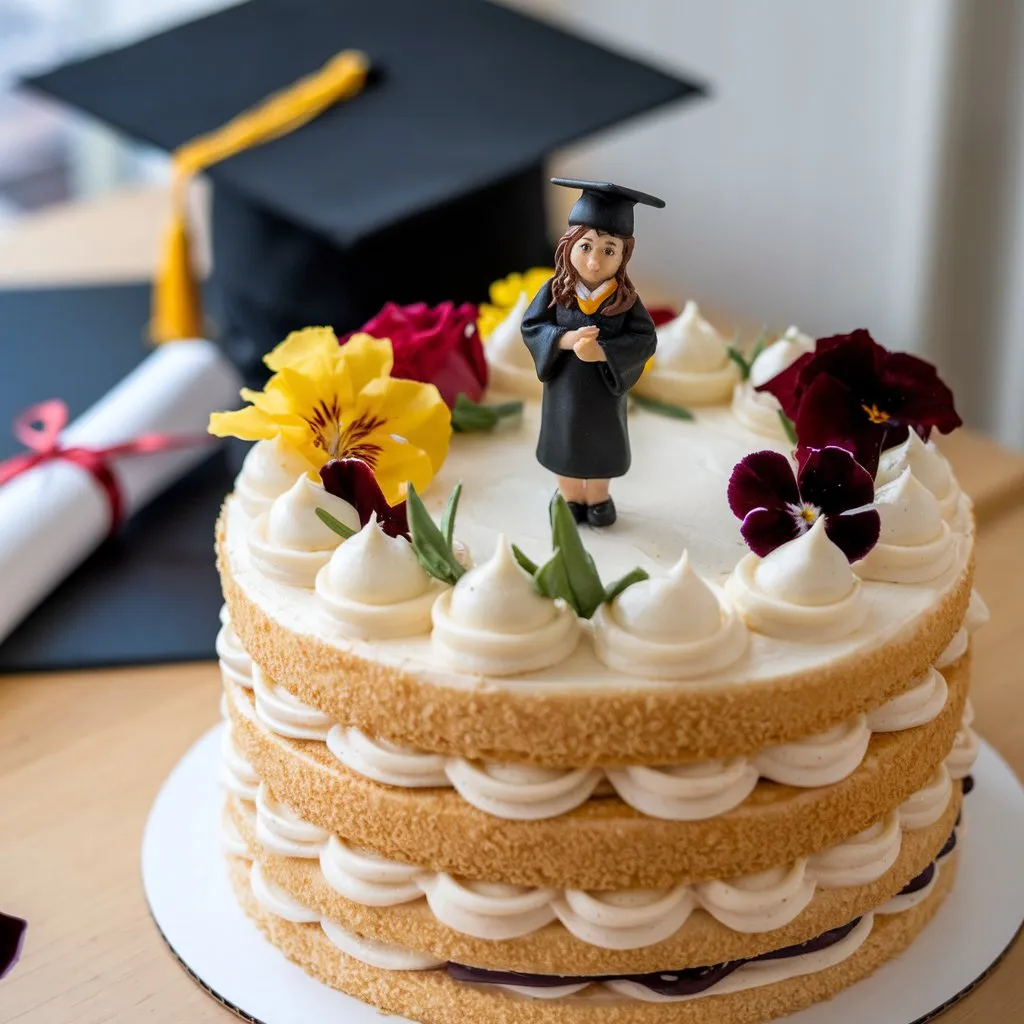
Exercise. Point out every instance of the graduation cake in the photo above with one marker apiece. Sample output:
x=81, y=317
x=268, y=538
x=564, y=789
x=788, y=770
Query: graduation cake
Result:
x=499, y=749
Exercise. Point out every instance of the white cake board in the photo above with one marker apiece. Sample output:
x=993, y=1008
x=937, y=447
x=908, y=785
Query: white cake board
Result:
x=186, y=884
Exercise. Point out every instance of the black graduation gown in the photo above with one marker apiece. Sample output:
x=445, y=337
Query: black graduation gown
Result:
x=583, y=431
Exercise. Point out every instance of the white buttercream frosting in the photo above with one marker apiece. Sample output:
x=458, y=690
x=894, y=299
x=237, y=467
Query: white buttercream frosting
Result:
x=284, y=714
x=237, y=776
x=512, y=368
x=923, y=808
x=915, y=544
x=624, y=919
x=669, y=627
x=803, y=590
x=918, y=705
x=273, y=898
x=977, y=613
x=373, y=588
x=230, y=839
x=927, y=464
x=290, y=543
x=269, y=469
x=955, y=649
x=965, y=747
x=692, y=364
x=235, y=663
x=818, y=760
x=759, y=410
x=493, y=621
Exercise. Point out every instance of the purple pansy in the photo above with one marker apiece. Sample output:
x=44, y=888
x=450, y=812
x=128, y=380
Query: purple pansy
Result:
x=853, y=393
x=777, y=504
x=353, y=481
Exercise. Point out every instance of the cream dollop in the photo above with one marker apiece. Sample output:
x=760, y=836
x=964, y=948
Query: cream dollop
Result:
x=669, y=627
x=977, y=613
x=918, y=705
x=803, y=590
x=965, y=747
x=686, y=792
x=819, y=760
x=268, y=470
x=511, y=365
x=759, y=410
x=237, y=776
x=923, y=808
x=290, y=543
x=692, y=363
x=916, y=544
x=927, y=464
x=493, y=621
x=374, y=589
x=235, y=663
x=284, y=714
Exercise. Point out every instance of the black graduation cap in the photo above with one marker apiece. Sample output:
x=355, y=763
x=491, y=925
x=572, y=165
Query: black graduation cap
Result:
x=427, y=184
x=606, y=206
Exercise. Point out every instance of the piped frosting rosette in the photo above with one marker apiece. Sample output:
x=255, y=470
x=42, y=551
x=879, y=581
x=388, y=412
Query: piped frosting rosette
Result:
x=511, y=366
x=758, y=410
x=673, y=627
x=493, y=621
x=269, y=469
x=928, y=465
x=373, y=588
x=692, y=364
x=804, y=590
x=916, y=544
x=290, y=544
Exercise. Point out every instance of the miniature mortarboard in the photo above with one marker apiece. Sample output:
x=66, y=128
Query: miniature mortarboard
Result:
x=606, y=206
x=426, y=183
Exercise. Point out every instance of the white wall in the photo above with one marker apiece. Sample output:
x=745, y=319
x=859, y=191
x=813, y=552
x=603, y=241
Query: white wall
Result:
x=803, y=190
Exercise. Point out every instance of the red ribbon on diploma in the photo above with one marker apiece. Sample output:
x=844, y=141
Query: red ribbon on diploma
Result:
x=39, y=427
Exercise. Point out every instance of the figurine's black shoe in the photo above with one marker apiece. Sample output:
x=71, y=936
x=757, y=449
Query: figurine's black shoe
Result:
x=578, y=510
x=601, y=514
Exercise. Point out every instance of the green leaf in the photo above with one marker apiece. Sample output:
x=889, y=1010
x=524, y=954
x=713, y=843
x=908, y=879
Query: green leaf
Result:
x=552, y=581
x=613, y=590
x=763, y=340
x=677, y=412
x=526, y=563
x=336, y=525
x=788, y=427
x=472, y=417
x=583, y=578
x=740, y=360
x=431, y=549
x=450, y=510
x=745, y=362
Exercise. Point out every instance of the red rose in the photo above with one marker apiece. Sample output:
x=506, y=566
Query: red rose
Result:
x=437, y=345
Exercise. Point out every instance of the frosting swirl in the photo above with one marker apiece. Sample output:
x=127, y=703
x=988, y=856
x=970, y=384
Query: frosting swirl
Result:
x=493, y=621
x=927, y=464
x=977, y=613
x=521, y=792
x=512, y=369
x=692, y=364
x=289, y=543
x=861, y=859
x=271, y=897
x=965, y=747
x=955, y=649
x=235, y=663
x=280, y=830
x=916, y=544
x=803, y=590
x=268, y=470
x=237, y=776
x=286, y=715
x=686, y=792
x=926, y=806
x=670, y=627
x=386, y=762
x=818, y=760
x=374, y=589
x=758, y=410
x=917, y=706
x=760, y=902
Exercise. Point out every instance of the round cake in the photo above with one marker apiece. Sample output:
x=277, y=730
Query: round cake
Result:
x=484, y=761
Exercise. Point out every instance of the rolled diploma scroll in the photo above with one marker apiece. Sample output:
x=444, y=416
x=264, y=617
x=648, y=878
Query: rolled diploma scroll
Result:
x=54, y=515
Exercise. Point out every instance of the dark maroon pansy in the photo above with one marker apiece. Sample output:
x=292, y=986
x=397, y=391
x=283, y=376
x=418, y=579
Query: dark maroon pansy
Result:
x=853, y=393
x=353, y=481
x=662, y=314
x=12, y=937
x=777, y=504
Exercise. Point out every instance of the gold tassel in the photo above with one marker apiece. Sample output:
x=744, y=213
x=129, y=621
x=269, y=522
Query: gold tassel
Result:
x=177, y=308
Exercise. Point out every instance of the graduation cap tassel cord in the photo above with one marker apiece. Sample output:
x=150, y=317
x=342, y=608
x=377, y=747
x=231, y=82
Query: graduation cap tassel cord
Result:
x=177, y=311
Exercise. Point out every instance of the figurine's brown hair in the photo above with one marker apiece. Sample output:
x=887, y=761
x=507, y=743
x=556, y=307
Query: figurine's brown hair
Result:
x=563, y=284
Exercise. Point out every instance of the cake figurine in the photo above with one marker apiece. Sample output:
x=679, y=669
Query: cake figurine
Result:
x=590, y=337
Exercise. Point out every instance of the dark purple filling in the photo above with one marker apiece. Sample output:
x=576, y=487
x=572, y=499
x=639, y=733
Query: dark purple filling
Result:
x=693, y=980
x=688, y=982
x=968, y=783
x=12, y=935
x=920, y=882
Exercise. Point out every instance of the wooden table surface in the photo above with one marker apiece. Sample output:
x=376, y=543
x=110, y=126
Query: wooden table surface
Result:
x=83, y=754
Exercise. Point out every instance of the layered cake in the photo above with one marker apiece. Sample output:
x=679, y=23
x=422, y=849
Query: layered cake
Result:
x=484, y=762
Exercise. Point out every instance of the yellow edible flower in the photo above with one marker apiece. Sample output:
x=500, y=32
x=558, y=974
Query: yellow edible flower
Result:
x=332, y=401
x=504, y=294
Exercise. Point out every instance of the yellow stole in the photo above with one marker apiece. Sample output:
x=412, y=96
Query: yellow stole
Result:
x=593, y=304
x=176, y=307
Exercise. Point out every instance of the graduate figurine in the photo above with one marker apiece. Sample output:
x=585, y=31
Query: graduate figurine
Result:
x=590, y=337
